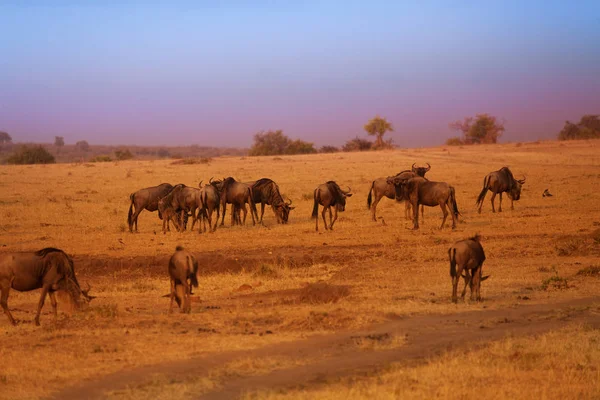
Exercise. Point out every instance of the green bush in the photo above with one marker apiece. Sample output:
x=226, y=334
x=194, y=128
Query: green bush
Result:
x=31, y=155
x=357, y=144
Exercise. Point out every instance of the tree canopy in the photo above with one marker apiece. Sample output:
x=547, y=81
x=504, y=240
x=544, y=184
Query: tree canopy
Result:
x=59, y=141
x=5, y=137
x=483, y=128
x=378, y=126
x=587, y=128
x=272, y=143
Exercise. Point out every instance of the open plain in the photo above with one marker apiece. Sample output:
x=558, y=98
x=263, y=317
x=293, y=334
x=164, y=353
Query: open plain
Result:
x=363, y=311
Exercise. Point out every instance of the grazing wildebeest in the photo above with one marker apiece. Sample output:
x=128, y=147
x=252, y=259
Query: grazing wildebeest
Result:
x=183, y=267
x=146, y=199
x=468, y=256
x=211, y=201
x=421, y=191
x=48, y=269
x=266, y=191
x=329, y=195
x=237, y=194
x=381, y=188
x=498, y=182
x=182, y=199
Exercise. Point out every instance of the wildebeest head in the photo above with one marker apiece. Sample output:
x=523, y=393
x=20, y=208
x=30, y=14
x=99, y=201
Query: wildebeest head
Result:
x=421, y=171
x=515, y=191
x=283, y=210
x=400, y=186
x=60, y=262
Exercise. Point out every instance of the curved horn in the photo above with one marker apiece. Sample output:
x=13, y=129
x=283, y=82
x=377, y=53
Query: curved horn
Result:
x=289, y=202
x=428, y=167
x=210, y=180
x=349, y=190
x=413, y=166
x=200, y=185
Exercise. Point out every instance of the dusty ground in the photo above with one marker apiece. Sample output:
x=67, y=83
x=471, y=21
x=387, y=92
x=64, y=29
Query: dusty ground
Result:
x=267, y=289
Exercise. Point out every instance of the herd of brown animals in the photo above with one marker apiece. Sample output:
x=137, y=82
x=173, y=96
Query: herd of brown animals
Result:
x=51, y=269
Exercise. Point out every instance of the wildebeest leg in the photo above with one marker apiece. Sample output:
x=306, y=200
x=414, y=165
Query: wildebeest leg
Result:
x=186, y=297
x=52, y=296
x=476, y=284
x=224, y=206
x=455, y=280
x=4, y=290
x=422, y=212
x=262, y=211
x=512, y=205
x=245, y=210
x=493, y=197
x=323, y=215
x=500, y=206
x=415, y=208
x=374, y=206
x=134, y=218
x=172, y=296
x=443, y=207
x=335, y=215
x=41, y=304
x=467, y=282
x=331, y=216
x=407, y=210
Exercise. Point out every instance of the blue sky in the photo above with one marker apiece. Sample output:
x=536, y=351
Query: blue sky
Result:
x=215, y=73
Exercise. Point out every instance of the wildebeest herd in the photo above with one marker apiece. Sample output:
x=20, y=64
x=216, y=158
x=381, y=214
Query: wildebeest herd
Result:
x=51, y=269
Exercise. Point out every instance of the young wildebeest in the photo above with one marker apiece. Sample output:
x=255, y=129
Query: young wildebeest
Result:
x=182, y=199
x=468, y=256
x=380, y=188
x=211, y=202
x=146, y=199
x=237, y=194
x=266, y=191
x=329, y=195
x=421, y=191
x=49, y=269
x=183, y=267
x=498, y=182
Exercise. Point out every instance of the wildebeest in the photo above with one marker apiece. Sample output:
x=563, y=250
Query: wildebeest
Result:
x=146, y=199
x=380, y=188
x=266, y=191
x=329, y=195
x=211, y=201
x=183, y=271
x=237, y=194
x=421, y=191
x=48, y=269
x=498, y=182
x=468, y=256
x=182, y=199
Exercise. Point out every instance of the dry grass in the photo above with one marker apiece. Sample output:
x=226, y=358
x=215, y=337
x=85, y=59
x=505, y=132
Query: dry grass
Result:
x=297, y=282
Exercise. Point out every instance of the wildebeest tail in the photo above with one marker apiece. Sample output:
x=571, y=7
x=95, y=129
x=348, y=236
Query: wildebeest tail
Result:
x=315, y=212
x=452, y=257
x=130, y=213
x=193, y=268
x=369, y=198
x=453, y=199
x=481, y=196
x=252, y=203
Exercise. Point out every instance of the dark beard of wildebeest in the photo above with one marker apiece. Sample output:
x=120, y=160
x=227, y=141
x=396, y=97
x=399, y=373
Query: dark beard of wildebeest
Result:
x=146, y=199
x=48, y=269
x=468, y=256
x=329, y=195
x=237, y=194
x=266, y=191
x=498, y=182
x=183, y=271
x=211, y=202
x=177, y=204
x=380, y=188
x=421, y=191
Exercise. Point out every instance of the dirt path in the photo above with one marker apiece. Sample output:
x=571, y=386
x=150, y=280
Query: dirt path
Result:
x=426, y=336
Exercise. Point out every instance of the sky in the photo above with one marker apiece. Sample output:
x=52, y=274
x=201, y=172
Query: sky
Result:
x=215, y=73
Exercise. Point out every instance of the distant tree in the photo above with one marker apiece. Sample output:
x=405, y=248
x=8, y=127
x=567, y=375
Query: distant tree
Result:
x=378, y=126
x=123, y=154
x=300, y=147
x=587, y=128
x=83, y=145
x=483, y=128
x=5, y=138
x=328, y=149
x=59, y=141
x=357, y=144
x=270, y=143
x=31, y=155
x=163, y=153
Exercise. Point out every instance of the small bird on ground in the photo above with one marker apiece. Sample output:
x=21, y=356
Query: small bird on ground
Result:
x=546, y=193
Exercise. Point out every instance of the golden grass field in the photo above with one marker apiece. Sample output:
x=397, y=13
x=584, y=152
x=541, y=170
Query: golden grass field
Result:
x=320, y=292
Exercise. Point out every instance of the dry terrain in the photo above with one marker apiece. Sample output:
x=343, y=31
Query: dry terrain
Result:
x=363, y=311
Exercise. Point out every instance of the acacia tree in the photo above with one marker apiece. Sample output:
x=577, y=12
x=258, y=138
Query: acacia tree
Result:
x=587, y=128
x=483, y=128
x=5, y=137
x=378, y=126
x=59, y=141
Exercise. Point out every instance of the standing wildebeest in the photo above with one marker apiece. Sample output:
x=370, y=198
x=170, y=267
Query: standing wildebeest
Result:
x=146, y=199
x=49, y=269
x=183, y=267
x=498, y=182
x=467, y=255
x=381, y=188
x=182, y=199
x=421, y=191
x=237, y=194
x=329, y=195
x=266, y=191
x=211, y=201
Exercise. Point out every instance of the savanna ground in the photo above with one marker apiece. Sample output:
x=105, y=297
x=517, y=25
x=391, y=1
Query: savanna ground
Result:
x=282, y=312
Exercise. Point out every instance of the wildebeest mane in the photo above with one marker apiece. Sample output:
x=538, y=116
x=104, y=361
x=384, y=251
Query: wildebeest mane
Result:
x=336, y=192
x=511, y=179
x=270, y=189
x=476, y=237
x=71, y=268
x=43, y=252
